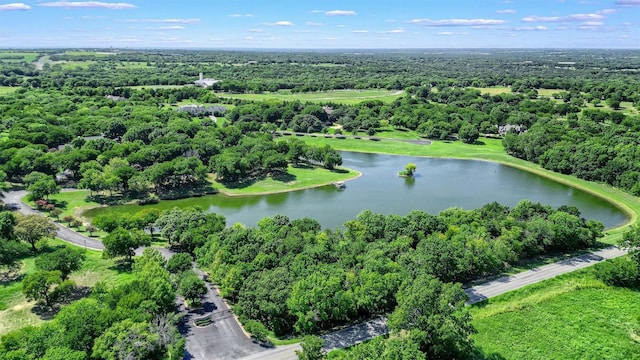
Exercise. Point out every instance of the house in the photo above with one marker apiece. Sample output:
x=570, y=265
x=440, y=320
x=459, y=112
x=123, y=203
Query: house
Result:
x=202, y=82
x=504, y=129
x=200, y=110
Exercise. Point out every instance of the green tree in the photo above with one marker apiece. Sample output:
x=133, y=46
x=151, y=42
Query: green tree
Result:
x=179, y=263
x=631, y=241
x=468, y=133
x=56, y=213
x=32, y=228
x=65, y=260
x=257, y=330
x=410, y=169
x=311, y=348
x=64, y=353
x=41, y=185
x=126, y=340
x=10, y=254
x=434, y=314
x=122, y=242
x=39, y=286
x=7, y=222
x=192, y=288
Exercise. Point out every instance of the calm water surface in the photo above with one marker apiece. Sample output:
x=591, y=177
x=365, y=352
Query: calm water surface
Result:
x=439, y=184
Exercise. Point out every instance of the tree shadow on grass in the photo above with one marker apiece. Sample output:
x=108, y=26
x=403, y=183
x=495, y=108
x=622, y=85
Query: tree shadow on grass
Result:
x=122, y=266
x=45, y=312
x=60, y=204
x=340, y=171
x=10, y=276
x=284, y=177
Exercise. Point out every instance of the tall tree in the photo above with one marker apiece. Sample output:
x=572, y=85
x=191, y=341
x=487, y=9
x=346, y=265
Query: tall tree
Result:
x=434, y=313
x=122, y=242
x=65, y=260
x=32, y=228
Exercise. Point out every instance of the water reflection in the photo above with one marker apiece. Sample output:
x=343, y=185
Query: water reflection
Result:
x=440, y=184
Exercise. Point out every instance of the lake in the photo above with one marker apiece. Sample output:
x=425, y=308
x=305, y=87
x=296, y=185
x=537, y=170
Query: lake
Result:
x=438, y=184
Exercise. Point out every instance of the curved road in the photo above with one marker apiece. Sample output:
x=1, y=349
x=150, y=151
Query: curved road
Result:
x=225, y=339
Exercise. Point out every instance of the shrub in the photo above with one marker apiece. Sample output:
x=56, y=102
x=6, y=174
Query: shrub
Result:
x=619, y=272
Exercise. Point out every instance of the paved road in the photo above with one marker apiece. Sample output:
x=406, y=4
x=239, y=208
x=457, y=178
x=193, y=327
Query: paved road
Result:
x=224, y=339
x=507, y=283
x=13, y=199
x=478, y=293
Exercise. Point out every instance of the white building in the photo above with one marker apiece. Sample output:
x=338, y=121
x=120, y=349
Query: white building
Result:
x=205, y=82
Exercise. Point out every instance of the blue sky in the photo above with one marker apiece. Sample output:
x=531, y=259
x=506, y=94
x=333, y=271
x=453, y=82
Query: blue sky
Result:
x=303, y=24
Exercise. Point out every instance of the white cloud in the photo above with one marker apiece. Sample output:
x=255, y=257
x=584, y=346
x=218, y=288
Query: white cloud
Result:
x=568, y=18
x=173, y=27
x=390, y=20
x=506, y=11
x=89, y=4
x=360, y=31
x=450, y=33
x=256, y=30
x=394, y=31
x=592, y=23
x=340, y=13
x=532, y=28
x=628, y=2
x=166, y=21
x=241, y=15
x=311, y=23
x=14, y=6
x=606, y=11
x=457, y=22
x=279, y=23
x=317, y=11
x=331, y=38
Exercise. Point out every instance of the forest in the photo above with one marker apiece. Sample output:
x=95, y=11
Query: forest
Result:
x=114, y=125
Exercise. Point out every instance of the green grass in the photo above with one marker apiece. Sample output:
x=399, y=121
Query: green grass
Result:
x=7, y=90
x=573, y=316
x=495, y=90
x=297, y=178
x=72, y=203
x=491, y=150
x=6, y=56
x=15, y=310
x=336, y=96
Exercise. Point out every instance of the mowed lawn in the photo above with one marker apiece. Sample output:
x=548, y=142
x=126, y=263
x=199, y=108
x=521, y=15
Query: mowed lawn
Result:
x=297, y=178
x=574, y=316
x=337, y=96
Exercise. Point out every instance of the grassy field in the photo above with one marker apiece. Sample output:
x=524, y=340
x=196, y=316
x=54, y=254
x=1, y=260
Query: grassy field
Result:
x=491, y=150
x=573, y=316
x=16, y=312
x=495, y=90
x=337, y=96
x=7, y=89
x=295, y=179
x=7, y=56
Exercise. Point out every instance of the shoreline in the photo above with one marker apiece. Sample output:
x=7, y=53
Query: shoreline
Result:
x=225, y=193
x=624, y=204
